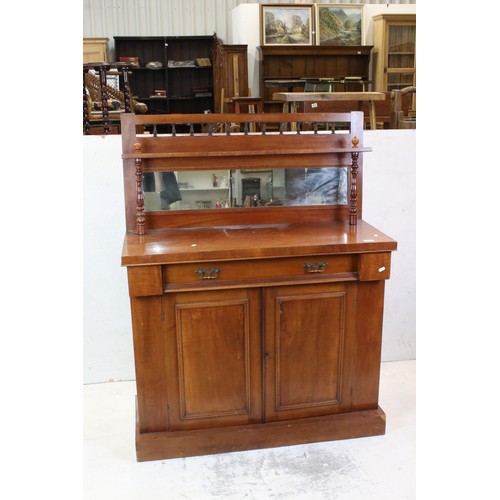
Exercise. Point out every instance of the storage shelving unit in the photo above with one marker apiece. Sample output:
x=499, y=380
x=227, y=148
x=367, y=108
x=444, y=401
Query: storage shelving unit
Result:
x=188, y=87
x=295, y=63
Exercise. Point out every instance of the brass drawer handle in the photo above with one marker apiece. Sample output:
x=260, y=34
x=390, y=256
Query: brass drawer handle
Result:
x=315, y=267
x=209, y=274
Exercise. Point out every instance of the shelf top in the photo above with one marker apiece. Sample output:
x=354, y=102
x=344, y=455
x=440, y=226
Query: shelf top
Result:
x=166, y=37
x=361, y=50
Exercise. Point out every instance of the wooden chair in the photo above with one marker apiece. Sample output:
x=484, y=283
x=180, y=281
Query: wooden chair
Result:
x=96, y=90
x=400, y=119
x=253, y=104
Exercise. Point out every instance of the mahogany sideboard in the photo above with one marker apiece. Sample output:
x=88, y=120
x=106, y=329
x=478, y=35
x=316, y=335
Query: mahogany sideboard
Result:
x=253, y=326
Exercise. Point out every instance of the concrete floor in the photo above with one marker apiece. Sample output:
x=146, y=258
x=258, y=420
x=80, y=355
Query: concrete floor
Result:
x=374, y=468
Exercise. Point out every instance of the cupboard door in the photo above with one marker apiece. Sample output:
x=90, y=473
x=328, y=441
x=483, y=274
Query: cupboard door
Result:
x=213, y=358
x=400, y=56
x=309, y=349
x=394, y=56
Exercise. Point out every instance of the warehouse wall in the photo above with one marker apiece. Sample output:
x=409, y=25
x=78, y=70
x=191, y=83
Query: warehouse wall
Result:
x=109, y=18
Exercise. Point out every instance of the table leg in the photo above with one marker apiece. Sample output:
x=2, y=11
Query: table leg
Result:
x=373, y=120
x=293, y=109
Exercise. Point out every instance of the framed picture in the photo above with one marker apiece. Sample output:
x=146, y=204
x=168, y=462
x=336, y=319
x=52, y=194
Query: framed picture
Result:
x=339, y=24
x=283, y=24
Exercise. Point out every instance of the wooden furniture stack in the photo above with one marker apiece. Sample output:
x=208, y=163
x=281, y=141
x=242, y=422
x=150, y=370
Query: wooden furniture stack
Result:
x=252, y=327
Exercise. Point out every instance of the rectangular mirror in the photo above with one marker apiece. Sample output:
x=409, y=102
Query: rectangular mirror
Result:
x=195, y=190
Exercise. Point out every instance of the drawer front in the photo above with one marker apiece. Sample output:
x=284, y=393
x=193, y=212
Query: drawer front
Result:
x=259, y=270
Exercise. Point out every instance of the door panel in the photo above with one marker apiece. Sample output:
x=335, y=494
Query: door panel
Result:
x=213, y=343
x=308, y=350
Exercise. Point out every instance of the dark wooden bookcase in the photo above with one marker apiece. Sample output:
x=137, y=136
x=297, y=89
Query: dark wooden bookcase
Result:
x=189, y=88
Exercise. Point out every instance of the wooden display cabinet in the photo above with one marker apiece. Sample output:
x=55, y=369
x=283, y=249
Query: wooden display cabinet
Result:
x=394, y=53
x=253, y=327
x=296, y=63
x=230, y=74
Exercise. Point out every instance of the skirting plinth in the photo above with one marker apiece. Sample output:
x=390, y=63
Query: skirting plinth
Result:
x=176, y=444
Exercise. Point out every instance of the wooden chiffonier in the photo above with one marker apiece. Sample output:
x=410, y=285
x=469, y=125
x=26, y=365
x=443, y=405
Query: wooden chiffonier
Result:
x=256, y=322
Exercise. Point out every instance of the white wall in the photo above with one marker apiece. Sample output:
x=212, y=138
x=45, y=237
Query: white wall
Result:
x=245, y=19
x=370, y=10
x=388, y=204
x=107, y=337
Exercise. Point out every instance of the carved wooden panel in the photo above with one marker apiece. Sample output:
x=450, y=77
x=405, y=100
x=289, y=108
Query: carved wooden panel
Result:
x=308, y=342
x=214, y=341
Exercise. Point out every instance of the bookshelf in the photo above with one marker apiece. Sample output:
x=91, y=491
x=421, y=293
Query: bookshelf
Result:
x=174, y=74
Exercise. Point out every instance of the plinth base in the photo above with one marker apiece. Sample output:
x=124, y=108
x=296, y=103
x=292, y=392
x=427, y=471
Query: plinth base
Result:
x=176, y=444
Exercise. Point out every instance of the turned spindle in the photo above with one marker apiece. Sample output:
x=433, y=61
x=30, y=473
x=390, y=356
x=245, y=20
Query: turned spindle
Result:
x=353, y=199
x=86, y=117
x=127, y=97
x=102, y=69
x=140, y=218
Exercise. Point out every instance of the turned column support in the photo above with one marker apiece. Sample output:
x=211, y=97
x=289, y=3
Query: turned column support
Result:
x=353, y=198
x=86, y=118
x=140, y=217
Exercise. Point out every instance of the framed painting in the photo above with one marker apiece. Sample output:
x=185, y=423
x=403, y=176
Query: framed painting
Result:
x=283, y=24
x=339, y=24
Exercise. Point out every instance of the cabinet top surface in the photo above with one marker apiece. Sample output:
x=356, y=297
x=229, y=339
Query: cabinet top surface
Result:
x=165, y=246
x=316, y=49
x=395, y=17
x=164, y=37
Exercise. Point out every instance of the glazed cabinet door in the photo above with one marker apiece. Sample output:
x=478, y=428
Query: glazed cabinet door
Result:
x=309, y=349
x=213, y=358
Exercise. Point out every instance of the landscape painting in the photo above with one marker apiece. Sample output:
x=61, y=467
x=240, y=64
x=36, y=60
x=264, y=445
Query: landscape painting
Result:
x=339, y=24
x=287, y=25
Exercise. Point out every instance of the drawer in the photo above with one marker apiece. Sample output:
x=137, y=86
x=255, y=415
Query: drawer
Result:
x=260, y=270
